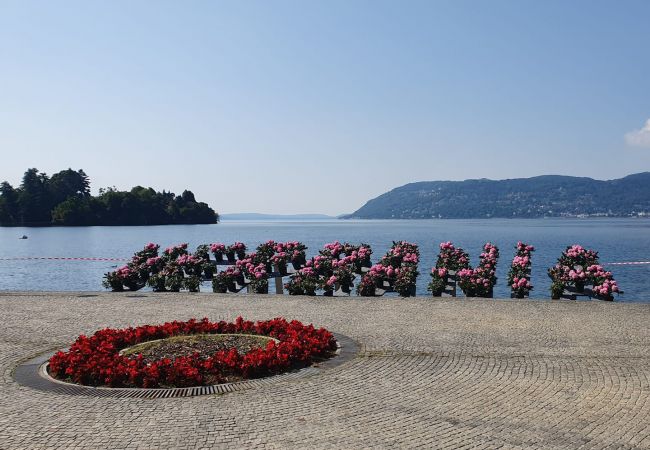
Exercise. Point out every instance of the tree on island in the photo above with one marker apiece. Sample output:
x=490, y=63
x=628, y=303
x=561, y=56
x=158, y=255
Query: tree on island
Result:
x=65, y=199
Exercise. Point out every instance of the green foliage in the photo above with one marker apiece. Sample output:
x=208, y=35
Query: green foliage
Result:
x=65, y=199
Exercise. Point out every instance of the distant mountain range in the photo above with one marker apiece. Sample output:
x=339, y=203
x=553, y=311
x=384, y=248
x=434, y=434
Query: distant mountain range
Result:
x=257, y=216
x=543, y=196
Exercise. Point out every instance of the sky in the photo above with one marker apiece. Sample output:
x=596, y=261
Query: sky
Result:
x=316, y=107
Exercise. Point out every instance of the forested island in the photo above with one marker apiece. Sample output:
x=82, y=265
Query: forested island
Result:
x=65, y=199
x=542, y=196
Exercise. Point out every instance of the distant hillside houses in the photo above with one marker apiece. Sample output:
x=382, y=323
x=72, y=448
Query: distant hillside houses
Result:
x=536, y=197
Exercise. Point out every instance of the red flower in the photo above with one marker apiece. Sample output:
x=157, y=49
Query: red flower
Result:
x=96, y=360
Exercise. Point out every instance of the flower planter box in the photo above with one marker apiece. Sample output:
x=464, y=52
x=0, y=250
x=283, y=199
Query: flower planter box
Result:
x=208, y=274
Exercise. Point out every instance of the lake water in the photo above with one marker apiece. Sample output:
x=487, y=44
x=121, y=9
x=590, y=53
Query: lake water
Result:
x=617, y=240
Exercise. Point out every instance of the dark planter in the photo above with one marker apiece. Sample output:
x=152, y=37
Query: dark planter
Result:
x=262, y=289
x=231, y=257
x=328, y=293
x=298, y=262
x=241, y=254
x=580, y=286
x=134, y=285
x=209, y=273
x=311, y=293
x=220, y=289
x=282, y=268
x=218, y=256
x=410, y=292
x=345, y=287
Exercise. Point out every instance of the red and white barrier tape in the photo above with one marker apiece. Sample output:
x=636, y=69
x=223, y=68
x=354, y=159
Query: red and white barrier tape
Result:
x=26, y=258
x=631, y=263
x=61, y=258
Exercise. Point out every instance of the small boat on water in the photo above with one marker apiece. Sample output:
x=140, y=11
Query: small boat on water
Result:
x=23, y=237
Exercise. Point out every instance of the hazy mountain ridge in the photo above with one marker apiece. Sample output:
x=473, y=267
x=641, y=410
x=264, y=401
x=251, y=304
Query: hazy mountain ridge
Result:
x=260, y=216
x=541, y=196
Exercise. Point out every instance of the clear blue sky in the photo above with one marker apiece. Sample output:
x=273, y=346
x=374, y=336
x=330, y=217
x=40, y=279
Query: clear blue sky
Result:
x=296, y=107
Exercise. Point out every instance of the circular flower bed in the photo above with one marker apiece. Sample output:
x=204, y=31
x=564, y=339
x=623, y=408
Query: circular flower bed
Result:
x=99, y=360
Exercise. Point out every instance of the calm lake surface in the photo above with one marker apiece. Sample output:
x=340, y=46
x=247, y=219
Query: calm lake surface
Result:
x=617, y=240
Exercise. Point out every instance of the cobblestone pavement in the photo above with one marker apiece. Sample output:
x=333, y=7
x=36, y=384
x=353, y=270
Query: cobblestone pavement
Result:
x=430, y=373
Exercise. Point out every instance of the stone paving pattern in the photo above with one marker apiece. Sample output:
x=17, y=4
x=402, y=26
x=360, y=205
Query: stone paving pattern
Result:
x=443, y=373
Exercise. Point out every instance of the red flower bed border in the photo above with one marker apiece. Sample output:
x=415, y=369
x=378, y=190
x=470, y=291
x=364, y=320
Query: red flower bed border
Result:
x=95, y=360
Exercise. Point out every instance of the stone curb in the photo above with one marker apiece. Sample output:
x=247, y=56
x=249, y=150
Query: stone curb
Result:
x=32, y=373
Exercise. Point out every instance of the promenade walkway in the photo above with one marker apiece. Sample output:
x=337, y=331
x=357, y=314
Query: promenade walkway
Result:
x=431, y=373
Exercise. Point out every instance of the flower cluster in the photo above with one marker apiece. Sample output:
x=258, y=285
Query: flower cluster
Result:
x=360, y=255
x=334, y=267
x=452, y=258
x=398, y=268
x=218, y=250
x=578, y=267
x=519, y=274
x=604, y=284
x=479, y=282
x=259, y=278
x=237, y=249
x=134, y=275
x=450, y=261
x=298, y=252
x=265, y=251
x=256, y=268
x=96, y=360
x=227, y=280
x=368, y=284
x=256, y=272
x=576, y=255
x=438, y=283
x=178, y=269
x=173, y=252
x=174, y=270
x=304, y=282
